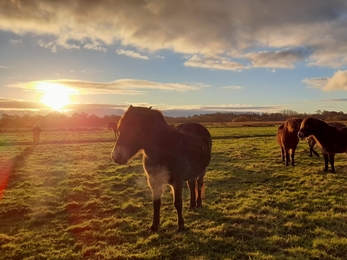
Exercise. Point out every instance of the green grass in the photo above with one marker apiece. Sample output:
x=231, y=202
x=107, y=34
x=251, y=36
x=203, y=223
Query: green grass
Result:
x=70, y=201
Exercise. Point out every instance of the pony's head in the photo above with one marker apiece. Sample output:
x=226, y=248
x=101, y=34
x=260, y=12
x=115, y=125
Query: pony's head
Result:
x=133, y=130
x=293, y=125
x=308, y=127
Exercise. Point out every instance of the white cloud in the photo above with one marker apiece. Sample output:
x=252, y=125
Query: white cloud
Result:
x=232, y=29
x=121, y=86
x=131, y=54
x=233, y=87
x=95, y=46
x=337, y=82
x=47, y=45
x=217, y=63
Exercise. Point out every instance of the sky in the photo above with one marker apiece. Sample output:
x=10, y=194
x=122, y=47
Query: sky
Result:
x=183, y=57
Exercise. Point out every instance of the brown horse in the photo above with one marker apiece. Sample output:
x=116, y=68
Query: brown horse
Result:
x=287, y=138
x=113, y=126
x=330, y=139
x=311, y=141
x=171, y=155
x=36, y=133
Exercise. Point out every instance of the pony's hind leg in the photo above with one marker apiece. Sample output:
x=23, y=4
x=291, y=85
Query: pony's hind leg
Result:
x=326, y=161
x=332, y=161
x=192, y=184
x=200, y=191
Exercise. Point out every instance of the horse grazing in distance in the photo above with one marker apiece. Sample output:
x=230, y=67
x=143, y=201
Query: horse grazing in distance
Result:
x=171, y=155
x=311, y=141
x=113, y=126
x=287, y=139
x=330, y=139
x=36, y=133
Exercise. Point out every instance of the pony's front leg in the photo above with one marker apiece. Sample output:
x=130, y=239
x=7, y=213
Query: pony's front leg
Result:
x=177, y=187
x=293, y=153
x=156, y=215
x=157, y=190
x=287, y=156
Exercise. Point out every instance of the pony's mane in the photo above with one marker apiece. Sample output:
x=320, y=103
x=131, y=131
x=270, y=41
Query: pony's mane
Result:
x=142, y=113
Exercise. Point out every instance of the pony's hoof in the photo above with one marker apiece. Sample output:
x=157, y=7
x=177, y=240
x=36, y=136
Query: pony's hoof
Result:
x=153, y=229
x=182, y=229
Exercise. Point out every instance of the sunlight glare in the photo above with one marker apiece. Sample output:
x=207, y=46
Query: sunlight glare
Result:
x=55, y=95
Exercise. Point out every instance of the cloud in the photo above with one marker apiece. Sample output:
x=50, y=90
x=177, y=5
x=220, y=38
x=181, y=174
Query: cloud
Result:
x=315, y=82
x=96, y=46
x=13, y=106
x=4, y=67
x=257, y=30
x=16, y=42
x=218, y=63
x=337, y=82
x=285, y=59
x=121, y=86
x=47, y=45
x=131, y=54
x=233, y=87
x=10, y=104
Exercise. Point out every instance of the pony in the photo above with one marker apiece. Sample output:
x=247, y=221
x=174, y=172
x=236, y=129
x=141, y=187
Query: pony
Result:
x=36, y=133
x=311, y=141
x=330, y=139
x=113, y=126
x=287, y=139
x=171, y=155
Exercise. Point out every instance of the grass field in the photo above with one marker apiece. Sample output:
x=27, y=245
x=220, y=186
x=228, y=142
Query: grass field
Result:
x=66, y=199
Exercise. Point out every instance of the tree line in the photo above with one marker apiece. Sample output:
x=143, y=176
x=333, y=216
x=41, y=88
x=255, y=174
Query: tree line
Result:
x=79, y=120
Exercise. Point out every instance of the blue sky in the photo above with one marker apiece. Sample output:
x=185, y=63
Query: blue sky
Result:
x=183, y=57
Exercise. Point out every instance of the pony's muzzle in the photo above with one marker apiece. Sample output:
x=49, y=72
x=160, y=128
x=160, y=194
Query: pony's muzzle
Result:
x=118, y=156
x=301, y=135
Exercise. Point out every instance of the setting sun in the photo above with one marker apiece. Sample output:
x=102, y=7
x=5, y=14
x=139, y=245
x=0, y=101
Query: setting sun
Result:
x=54, y=95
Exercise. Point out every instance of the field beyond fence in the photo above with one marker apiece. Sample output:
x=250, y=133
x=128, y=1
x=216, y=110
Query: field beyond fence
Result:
x=65, y=199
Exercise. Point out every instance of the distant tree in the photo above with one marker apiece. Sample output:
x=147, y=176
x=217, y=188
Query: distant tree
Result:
x=240, y=119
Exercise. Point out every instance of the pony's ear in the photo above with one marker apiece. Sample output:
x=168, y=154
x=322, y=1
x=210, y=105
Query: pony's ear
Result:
x=150, y=107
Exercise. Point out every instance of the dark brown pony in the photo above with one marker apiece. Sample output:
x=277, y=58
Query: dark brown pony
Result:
x=36, y=133
x=330, y=139
x=287, y=139
x=171, y=155
x=311, y=141
x=113, y=126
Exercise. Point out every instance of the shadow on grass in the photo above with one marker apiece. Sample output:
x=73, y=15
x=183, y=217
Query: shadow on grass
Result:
x=9, y=174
